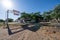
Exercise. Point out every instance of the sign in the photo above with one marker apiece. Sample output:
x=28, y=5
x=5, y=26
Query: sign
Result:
x=16, y=12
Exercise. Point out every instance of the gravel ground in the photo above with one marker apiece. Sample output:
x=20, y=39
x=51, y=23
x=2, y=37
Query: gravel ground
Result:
x=44, y=33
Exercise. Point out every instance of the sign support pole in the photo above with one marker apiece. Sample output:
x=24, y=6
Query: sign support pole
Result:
x=7, y=17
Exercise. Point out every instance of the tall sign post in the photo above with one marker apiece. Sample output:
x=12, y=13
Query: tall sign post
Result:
x=15, y=12
x=7, y=17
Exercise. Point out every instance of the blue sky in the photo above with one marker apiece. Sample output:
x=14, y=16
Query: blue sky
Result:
x=29, y=6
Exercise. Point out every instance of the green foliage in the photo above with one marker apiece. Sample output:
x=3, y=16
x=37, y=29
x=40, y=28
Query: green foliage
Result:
x=56, y=11
x=33, y=16
x=1, y=20
x=10, y=20
x=52, y=14
x=49, y=15
x=25, y=15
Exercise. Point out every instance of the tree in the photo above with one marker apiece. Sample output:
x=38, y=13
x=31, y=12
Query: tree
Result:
x=25, y=15
x=10, y=20
x=36, y=16
x=47, y=15
x=56, y=12
x=33, y=16
x=1, y=20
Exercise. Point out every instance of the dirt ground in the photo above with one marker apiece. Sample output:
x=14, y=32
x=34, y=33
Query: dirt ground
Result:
x=44, y=33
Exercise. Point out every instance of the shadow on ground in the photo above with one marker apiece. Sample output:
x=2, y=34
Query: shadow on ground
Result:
x=33, y=28
x=9, y=30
